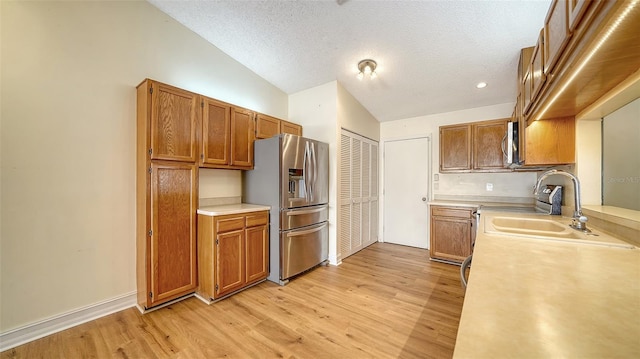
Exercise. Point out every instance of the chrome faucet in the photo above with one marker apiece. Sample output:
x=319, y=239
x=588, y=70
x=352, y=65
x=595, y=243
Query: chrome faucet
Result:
x=579, y=221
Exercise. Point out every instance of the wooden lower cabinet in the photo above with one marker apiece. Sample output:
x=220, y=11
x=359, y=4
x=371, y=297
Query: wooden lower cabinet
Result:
x=452, y=233
x=166, y=243
x=233, y=252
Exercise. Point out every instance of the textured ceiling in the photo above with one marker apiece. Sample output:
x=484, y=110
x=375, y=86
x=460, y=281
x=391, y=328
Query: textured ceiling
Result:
x=430, y=54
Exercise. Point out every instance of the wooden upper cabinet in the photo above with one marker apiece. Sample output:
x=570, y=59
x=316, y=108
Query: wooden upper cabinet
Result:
x=488, y=140
x=216, y=132
x=575, y=12
x=473, y=146
x=173, y=123
x=242, y=137
x=455, y=148
x=537, y=67
x=171, y=267
x=227, y=135
x=556, y=33
x=550, y=142
x=267, y=126
x=289, y=127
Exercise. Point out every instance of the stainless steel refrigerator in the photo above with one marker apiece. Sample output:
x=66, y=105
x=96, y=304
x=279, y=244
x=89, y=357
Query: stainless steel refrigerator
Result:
x=291, y=174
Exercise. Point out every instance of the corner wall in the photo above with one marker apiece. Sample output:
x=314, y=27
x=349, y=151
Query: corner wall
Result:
x=69, y=72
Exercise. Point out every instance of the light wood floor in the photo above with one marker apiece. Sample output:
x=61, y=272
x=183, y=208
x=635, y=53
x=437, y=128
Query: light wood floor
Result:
x=386, y=301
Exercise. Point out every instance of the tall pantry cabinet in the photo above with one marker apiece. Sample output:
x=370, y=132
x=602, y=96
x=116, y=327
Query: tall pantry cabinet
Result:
x=166, y=192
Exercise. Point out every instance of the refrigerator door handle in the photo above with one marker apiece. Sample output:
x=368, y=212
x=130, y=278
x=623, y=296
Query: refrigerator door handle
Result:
x=306, y=165
x=305, y=232
x=314, y=172
x=306, y=211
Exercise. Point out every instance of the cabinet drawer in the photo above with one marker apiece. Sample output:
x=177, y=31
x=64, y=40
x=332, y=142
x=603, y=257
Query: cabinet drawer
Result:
x=229, y=223
x=257, y=218
x=451, y=212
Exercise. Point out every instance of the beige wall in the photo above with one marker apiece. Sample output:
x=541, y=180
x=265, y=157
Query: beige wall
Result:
x=323, y=111
x=69, y=71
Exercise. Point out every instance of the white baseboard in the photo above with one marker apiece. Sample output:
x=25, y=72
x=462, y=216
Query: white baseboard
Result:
x=37, y=330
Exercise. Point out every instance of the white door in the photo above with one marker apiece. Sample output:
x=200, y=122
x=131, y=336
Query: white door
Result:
x=406, y=184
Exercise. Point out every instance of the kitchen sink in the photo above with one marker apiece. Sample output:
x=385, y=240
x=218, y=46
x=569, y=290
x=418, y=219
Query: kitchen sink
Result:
x=531, y=226
x=546, y=228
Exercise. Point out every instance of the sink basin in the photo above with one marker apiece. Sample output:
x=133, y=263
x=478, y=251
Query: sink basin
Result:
x=531, y=226
x=545, y=228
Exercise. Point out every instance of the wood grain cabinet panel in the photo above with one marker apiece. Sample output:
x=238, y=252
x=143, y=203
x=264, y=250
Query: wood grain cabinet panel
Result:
x=488, y=145
x=233, y=253
x=455, y=148
x=556, y=33
x=267, y=126
x=242, y=137
x=172, y=265
x=229, y=262
x=216, y=132
x=289, y=127
x=575, y=11
x=551, y=142
x=452, y=233
x=173, y=123
x=538, y=76
x=475, y=146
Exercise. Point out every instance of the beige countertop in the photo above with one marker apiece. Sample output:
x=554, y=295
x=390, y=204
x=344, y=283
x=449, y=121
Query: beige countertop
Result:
x=231, y=209
x=536, y=298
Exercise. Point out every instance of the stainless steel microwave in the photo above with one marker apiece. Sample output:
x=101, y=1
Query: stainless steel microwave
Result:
x=511, y=150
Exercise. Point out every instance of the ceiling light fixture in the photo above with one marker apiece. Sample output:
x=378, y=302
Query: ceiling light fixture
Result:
x=481, y=85
x=367, y=67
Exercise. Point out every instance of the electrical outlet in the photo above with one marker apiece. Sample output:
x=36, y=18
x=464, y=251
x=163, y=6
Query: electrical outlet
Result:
x=436, y=186
x=489, y=187
x=436, y=177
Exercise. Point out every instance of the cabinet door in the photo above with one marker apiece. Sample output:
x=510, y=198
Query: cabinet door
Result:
x=173, y=238
x=550, y=142
x=556, y=33
x=256, y=259
x=267, y=126
x=450, y=238
x=576, y=10
x=216, y=130
x=173, y=123
x=455, y=148
x=537, y=67
x=487, y=145
x=292, y=128
x=242, y=137
x=230, y=274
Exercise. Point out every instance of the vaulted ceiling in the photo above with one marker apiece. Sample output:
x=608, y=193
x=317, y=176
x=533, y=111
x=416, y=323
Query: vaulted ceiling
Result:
x=430, y=54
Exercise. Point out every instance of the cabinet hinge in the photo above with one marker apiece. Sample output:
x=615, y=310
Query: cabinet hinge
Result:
x=150, y=170
x=202, y=104
x=217, y=242
x=202, y=156
x=151, y=90
x=216, y=287
x=150, y=232
x=150, y=294
x=150, y=151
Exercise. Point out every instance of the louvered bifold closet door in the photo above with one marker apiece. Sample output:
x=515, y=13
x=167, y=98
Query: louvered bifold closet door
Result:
x=366, y=194
x=344, y=215
x=373, y=197
x=356, y=195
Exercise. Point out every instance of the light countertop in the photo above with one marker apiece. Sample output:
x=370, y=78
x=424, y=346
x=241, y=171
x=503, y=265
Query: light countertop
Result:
x=536, y=298
x=232, y=209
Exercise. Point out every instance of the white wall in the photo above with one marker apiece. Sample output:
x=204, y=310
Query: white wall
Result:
x=354, y=117
x=473, y=184
x=69, y=72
